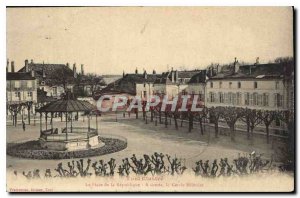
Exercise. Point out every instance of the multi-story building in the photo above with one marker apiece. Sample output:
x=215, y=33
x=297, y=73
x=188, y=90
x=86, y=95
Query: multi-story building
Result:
x=256, y=86
x=133, y=84
x=52, y=78
x=176, y=83
x=21, y=87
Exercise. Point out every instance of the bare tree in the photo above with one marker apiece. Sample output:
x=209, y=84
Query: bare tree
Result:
x=215, y=114
x=231, y=115
x=267, y=118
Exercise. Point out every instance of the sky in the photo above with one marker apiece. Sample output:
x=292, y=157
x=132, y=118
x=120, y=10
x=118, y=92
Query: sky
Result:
x=110, y=40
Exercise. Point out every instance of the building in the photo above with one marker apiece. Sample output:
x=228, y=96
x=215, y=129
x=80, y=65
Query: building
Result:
x=256, y=86
x=132, y=84
x=175, y=83
x=52, y=78
x=21, y=91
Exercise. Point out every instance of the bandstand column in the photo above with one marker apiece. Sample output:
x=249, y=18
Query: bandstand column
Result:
x=71, y=122
x=96, y=124
x=52, y=121
x=46, y=119
x=88, y=123
x=40, y=122
x=66, y=126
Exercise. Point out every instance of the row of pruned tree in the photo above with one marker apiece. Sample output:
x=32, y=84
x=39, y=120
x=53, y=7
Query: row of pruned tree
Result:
x=231, y=115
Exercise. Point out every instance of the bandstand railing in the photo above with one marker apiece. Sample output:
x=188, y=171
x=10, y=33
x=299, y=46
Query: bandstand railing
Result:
x=53, y=135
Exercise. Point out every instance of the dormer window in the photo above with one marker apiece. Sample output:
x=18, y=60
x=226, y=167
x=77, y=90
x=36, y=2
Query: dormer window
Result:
x=211, y=84
x=255, y=85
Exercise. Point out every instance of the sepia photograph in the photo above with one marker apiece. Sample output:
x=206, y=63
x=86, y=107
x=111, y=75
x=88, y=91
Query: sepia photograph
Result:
x=150, y=99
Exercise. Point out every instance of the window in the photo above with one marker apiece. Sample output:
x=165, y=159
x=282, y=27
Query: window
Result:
x=255, y=85
x=230, y=84
x=277, y=85
x=259, y=100
x=226, y=98
x=29, y=94
x=233, y=98
x=265, y=99
x=251, y=99
x=239, y=85
x=145, y=94
x=255, y=99
x=238, y=98
x=211, y=84
x=144, y=84
x=221, y=99
x=230, y=98
x=247, y=98
x=278, y=100
x=211, y=97
x=220, y=84
x=17, y=94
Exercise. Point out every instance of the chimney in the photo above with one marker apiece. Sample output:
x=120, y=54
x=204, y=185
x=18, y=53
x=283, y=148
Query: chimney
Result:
x=145, y=74
x=210, y=71
x=26, y=66
x=82, y=71
x=173, y=75
x=235, y=65
x=74, y=70
x=12, y=66
x=31, y=61
x=176, y=75
x=136, y=71
x=67, y=64
x=257, y=61
x=32, y=73
x=218, y=68
x=7, y=65
x=154, y=72
x=44, y=74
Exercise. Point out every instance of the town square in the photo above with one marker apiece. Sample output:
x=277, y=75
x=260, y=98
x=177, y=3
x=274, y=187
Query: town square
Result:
x=93, y=111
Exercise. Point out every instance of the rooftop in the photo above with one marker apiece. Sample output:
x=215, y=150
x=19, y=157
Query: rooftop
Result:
x=19, y=76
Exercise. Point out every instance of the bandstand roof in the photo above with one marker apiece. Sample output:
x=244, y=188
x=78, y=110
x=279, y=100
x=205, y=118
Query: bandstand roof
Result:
x=67, y=106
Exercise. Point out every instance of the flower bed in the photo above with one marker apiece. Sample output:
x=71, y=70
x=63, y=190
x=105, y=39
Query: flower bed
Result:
x=33, y=150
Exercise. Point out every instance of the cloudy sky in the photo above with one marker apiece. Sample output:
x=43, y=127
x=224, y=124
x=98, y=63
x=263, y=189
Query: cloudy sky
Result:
x=110, y=40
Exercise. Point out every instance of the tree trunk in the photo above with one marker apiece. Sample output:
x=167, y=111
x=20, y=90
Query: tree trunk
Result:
x=216, y=129
x=28, y=115
x=232, y=133
x=268, y=134
x=201, y=126
x=166, y=120
x=248, y=129
x=175, y=121
x=16, y=115
x=190, y=123
x=159, y=114
x=251, y=136
x=181, y=124
x=151, y=118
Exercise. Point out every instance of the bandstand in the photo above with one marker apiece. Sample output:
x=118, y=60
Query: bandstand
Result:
x=68, y=137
